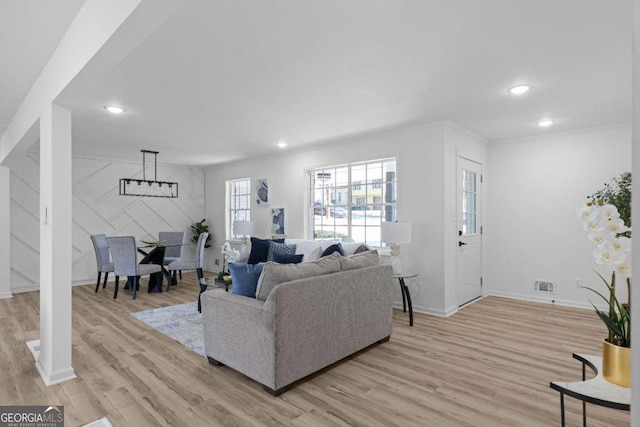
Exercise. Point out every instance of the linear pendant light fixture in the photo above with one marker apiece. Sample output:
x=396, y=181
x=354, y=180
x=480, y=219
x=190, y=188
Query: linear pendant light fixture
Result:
x=146, y=188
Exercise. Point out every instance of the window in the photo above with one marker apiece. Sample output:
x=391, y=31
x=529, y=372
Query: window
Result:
x=366, y=196
x=469, y=195
x=238, y=202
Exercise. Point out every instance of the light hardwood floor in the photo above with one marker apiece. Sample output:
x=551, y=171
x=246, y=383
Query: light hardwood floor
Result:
x=488, y=365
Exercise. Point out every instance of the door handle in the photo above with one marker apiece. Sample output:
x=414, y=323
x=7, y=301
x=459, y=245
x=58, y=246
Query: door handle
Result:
x=461, y=243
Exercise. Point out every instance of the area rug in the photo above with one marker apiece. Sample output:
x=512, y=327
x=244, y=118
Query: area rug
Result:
x=180, y=322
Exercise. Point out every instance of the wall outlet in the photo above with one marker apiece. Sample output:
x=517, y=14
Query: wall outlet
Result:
x=578, y=283
x=217, y=261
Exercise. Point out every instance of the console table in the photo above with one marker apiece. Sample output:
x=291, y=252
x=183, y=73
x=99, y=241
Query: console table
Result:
x=596, y=390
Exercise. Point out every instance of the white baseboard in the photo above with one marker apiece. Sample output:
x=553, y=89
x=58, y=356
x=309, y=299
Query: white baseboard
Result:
x=56, y=377
x=36, y=286
x=34, y=348
x=454, y=309
x=6, y=295
x=546, y=299
x=29, y=288
x=430, y=311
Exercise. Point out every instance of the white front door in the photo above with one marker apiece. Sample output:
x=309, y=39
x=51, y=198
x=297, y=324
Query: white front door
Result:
x=469, y=246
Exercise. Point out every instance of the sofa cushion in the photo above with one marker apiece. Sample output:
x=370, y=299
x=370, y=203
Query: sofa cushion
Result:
x=244, y=278
x=361, y=260
x=287, y=258
x=281, y=249
x=274, y=274
x=337, y=247
x=260, y=249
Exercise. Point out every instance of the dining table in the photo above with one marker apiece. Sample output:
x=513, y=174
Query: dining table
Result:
x=153, y=252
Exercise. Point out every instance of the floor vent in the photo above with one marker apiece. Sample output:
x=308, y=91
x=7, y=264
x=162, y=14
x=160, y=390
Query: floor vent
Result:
x=544, y=287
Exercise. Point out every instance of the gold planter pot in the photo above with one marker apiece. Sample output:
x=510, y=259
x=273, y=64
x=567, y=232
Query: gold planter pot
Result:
x=616, y=364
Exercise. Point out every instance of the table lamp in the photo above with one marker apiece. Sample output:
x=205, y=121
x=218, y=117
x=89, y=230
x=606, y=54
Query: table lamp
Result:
x=396, y=233
x=243, y=228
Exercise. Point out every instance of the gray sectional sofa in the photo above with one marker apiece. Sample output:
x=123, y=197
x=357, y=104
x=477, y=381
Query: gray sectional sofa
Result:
x=303, y=324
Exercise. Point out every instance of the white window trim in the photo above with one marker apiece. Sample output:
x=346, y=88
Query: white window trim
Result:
x=228, y=206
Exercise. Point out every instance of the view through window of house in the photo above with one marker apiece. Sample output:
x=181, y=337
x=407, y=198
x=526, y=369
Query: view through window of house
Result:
x=239, y=203
x=352, y=201
x=469, y=206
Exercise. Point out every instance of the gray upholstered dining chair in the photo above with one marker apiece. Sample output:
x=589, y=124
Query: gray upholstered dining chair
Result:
x=125, y=262
x=101, y=248
x=196, y=264
x=174, y=245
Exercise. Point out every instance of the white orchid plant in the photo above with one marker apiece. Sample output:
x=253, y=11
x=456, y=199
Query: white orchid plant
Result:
x=611, y=234
x=230, y=255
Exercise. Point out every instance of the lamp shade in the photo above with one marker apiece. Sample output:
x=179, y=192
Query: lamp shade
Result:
x=396, y=232
x=243, y=228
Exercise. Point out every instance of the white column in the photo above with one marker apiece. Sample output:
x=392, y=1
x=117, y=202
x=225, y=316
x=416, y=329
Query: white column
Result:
x=54, y=360
x=5, y=233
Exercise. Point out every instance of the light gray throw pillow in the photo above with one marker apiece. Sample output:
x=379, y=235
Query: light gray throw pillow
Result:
x=360, y=260
x=274, y=274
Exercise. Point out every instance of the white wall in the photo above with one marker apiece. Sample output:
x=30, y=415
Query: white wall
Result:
x=420, y=153
x=532, y=230
x=97, y=208
x=5, y=233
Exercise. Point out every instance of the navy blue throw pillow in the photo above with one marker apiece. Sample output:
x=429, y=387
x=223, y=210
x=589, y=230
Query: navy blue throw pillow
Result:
x=287, y=258
x=333, y=248
x=244, y=278
x=260, y=249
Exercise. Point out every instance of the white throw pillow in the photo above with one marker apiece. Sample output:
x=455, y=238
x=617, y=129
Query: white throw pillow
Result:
x=314, y=255
x=307, y=247
x=350, y=247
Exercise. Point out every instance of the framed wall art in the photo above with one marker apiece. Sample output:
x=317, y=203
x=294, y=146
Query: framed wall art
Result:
x=277, y=221
x=262, y=191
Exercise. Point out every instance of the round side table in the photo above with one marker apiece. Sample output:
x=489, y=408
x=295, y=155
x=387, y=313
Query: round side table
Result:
x=406, y=296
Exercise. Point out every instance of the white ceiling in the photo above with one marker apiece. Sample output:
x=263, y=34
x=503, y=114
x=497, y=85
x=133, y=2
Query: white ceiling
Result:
x=30, y=31
x=224, y=80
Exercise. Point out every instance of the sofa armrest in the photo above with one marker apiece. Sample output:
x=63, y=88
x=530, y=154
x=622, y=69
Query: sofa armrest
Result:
x=238, y=331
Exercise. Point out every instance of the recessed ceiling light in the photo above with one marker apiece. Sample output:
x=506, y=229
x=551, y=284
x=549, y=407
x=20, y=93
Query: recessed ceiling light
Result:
x=114, y=109
x=545, y=123
x=520, y=89
x=281, y=144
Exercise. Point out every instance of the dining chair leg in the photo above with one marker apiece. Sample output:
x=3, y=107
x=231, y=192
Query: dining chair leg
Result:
x=135, y=285
x=180, y=272
x=104, y=284
x=203, y=287
x=115, y=291
x=98, y=282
